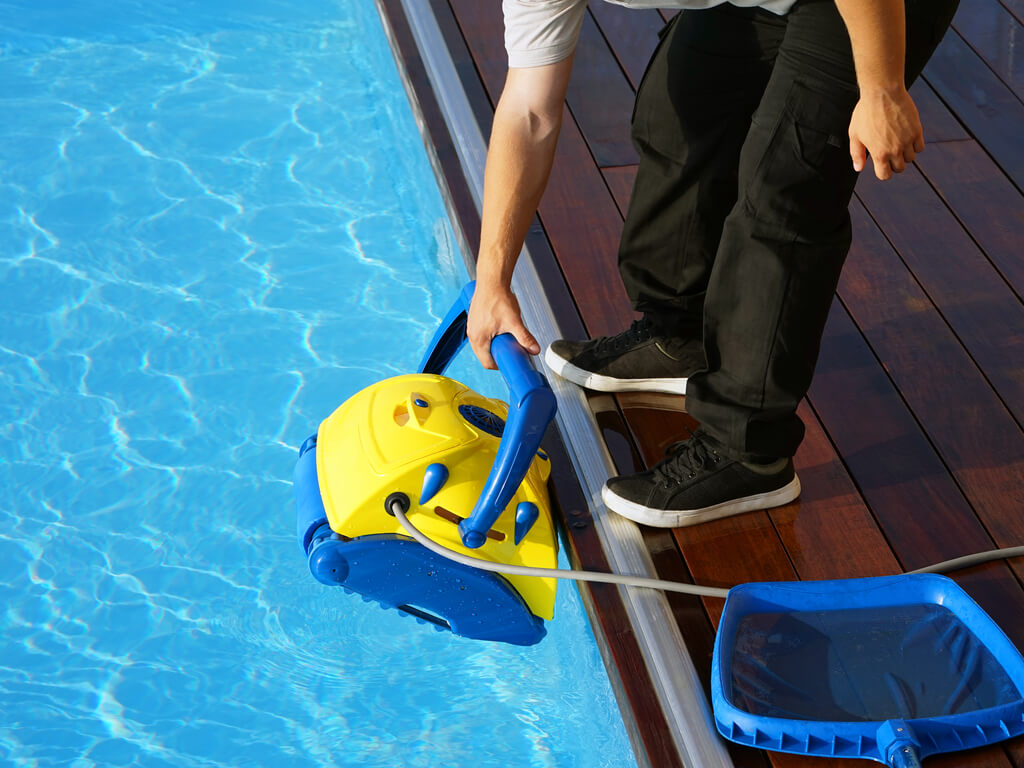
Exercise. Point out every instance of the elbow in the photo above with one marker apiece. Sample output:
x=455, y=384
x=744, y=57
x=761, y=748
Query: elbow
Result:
x=535, y=119
x=543, y=124
x=536, y=125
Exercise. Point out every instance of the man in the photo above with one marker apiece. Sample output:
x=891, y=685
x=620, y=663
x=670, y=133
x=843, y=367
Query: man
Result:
x=752, y=122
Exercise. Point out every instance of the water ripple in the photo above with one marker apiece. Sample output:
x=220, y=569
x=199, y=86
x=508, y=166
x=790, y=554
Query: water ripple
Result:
x=215, y=230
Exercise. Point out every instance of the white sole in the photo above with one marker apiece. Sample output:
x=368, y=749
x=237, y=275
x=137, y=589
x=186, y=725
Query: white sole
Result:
x=599, y=383
x=660, y=518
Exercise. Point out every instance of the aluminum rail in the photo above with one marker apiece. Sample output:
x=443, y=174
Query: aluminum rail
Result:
x=668, y=661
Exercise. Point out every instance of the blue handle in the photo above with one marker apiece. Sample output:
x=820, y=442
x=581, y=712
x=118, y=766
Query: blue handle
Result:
x=905, y=757
x=450, y=336
x=531, y=408
x=898, y=744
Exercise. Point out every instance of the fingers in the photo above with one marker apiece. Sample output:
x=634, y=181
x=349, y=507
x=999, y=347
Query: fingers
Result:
x=897, y=163
x=885, y=125
x=889, y=163
x=492, y=313
x=883, y=170
x=858, y=153
x=526, y=340
x=482, y=350
x=481, y=345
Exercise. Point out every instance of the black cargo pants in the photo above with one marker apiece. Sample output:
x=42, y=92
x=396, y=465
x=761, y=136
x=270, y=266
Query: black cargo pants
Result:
x=738, y=225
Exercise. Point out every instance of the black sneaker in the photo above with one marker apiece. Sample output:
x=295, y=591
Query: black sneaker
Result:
x=696, y=483
x=638, y=359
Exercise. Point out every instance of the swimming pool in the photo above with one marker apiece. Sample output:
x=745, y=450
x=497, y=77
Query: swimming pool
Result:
x=218, y=223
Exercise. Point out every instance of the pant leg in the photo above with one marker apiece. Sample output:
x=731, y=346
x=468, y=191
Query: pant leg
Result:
x=784, y=242
x=692, y=113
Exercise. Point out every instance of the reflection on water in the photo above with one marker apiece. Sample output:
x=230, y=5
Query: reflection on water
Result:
x=218, y=222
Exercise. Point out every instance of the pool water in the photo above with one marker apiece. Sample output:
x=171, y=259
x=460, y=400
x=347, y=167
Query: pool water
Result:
x=218, y=222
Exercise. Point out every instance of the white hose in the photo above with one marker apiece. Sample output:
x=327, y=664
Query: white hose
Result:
x=640, y=581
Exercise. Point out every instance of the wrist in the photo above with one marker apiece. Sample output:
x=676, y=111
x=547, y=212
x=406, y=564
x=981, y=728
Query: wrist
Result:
x=493, y=273
x=881, y=87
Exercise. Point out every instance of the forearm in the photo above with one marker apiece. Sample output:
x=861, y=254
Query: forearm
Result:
x=519, y=162
x=519, y=158
x=877, y=30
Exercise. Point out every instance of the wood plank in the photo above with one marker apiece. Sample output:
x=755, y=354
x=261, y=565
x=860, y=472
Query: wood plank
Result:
x=483, y=30
x=991, y=112
x=993, y=32
x=968, y=425
x=584, y=226
x=601, y=99
x=891, y=461
x=829, y=533
x=1015, y=749
x=939, y=123
x=910, y=493
x=1015, y=7
x=620, y=182
x=479, y=102
x=826, y=540
x=980, y=307
x=988, y=206
x=632, y=35
x=559, y=297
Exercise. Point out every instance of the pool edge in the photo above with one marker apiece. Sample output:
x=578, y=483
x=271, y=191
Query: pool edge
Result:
x=687, y=712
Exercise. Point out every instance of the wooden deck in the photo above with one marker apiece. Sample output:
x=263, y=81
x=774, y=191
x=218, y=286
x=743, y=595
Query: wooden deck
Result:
x=914, y=450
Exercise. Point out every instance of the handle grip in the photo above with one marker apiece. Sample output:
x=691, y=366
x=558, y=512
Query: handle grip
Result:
x=531, y=408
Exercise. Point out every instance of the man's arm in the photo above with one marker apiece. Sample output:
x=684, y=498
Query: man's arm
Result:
x=525, y=131
x=885, y=122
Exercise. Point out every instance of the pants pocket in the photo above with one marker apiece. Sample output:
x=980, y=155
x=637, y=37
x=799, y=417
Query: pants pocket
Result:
x=803, y=176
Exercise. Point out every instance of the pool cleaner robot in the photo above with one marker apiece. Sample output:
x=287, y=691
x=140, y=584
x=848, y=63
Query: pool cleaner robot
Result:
x=467, y=470
x=415, y=487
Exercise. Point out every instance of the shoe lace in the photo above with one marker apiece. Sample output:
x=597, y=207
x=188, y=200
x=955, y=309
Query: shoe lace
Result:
x=640, y=330
x=686, y=458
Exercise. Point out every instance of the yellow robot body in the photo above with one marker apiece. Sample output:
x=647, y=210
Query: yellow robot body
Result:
x=392, y=437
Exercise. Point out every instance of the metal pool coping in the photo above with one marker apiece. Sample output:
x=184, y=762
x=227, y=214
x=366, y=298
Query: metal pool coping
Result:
x=677, y=685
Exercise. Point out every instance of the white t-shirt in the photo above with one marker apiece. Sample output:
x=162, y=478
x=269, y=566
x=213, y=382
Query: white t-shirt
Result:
x=539, y=32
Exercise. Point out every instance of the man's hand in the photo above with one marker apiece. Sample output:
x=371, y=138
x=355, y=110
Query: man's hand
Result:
x=885, y=124
x=492, y=312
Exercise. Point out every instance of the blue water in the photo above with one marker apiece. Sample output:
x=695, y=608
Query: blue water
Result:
x=217, y=223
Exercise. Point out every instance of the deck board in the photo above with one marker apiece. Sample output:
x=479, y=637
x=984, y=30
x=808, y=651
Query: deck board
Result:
x=989, y=110
x=914, y=451
x=985, y=202
x=979, y=306
x=631, y=35
x=938, y=381
x=994, y=33
x=940, y=125
x=601, y=99
x=1015, y=7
